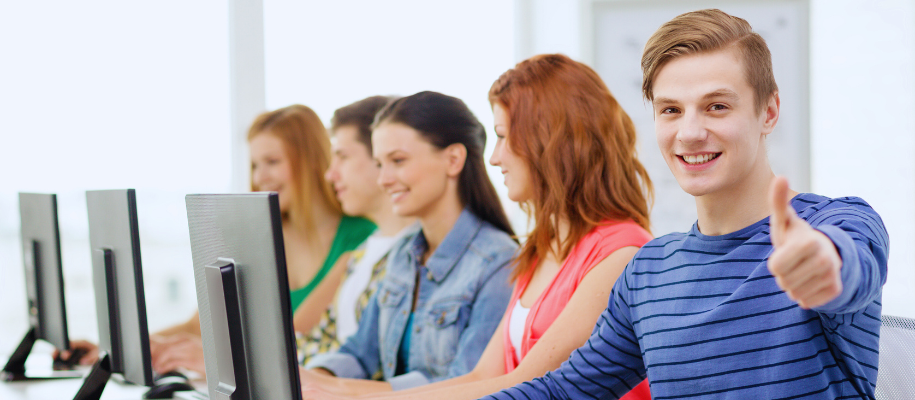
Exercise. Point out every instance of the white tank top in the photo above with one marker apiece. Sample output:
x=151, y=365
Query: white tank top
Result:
x=516, y=327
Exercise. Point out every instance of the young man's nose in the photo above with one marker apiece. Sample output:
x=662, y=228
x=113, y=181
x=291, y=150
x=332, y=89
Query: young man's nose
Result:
x=331, y=174
x=691, y=128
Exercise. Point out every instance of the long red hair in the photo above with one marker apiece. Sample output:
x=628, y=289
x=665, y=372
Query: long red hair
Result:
x=580, y=147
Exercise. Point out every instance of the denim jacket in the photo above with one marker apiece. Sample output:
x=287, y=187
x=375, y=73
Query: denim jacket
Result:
x=464, y=289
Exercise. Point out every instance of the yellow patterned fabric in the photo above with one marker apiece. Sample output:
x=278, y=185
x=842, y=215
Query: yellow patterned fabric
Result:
x=323, y=337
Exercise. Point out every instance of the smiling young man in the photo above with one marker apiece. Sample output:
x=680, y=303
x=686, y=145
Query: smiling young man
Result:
x=771, y=294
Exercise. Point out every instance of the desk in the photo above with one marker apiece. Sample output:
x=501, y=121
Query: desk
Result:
x=65, y=389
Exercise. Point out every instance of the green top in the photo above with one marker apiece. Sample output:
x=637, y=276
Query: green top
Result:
x=350, y=234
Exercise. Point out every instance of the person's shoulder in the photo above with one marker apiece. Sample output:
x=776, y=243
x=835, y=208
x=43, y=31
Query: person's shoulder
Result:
x=812, y=207
x=404, y=242
x=491, y=242
x=353, y=231
x=624, y=233
x=489, y=235
x=356, y=226
x=660, y=247
x=651, y=258
x=674, y=239
x=401, y=247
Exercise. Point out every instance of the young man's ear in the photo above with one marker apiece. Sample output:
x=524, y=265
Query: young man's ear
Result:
x=770, y=113
x=456, y=156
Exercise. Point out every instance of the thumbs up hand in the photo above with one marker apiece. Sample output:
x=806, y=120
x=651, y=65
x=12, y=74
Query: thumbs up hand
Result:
x=804, y=262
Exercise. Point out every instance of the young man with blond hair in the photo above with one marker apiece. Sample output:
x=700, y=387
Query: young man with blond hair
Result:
x=772, y=293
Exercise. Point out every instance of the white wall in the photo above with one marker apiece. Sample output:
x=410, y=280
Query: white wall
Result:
x=549, y=26
x=393, y=47
x=105, y=94
x=862, y=63
x=862, y=91
x=109, y=94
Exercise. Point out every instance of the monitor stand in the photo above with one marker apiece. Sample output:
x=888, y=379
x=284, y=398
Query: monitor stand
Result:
x=14, y=370
x=96, y=380
x=225, y=317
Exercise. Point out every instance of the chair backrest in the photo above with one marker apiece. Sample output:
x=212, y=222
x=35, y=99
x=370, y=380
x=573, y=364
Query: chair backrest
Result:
x=896, y=374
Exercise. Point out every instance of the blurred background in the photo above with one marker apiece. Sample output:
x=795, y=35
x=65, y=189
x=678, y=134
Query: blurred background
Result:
x=155, y=96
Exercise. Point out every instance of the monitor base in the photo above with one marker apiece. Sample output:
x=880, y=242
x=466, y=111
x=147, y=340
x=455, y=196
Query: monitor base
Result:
x=16, y=363
x=15, y=371
x=29, y=376
x=96, y=380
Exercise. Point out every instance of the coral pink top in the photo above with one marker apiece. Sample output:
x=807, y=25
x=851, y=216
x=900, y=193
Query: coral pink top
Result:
x=593, y=248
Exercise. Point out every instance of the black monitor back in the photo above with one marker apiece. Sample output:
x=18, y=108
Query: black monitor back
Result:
x=245, y=230
x=40, y=235
x=114, y=240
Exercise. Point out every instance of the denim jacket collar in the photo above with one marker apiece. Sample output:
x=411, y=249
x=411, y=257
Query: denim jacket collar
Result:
x=449, y=252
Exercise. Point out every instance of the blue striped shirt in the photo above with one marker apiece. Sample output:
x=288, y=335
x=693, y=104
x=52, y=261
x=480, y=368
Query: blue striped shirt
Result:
x=702, y=318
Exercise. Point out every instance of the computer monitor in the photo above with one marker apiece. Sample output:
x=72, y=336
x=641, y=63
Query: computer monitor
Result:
x=243, y=296
x=44, y=282
x=120, y=303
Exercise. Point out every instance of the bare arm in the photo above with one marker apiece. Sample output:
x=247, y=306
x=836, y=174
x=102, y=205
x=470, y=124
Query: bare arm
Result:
x=178, y=346
x=191, y=326
x=309, y=313
x=569, y=331
x=323, y=381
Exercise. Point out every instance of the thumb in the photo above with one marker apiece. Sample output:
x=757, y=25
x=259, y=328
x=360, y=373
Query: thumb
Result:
x=780, y=206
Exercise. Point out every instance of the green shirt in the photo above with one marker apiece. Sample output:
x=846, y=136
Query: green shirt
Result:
x=350, y=234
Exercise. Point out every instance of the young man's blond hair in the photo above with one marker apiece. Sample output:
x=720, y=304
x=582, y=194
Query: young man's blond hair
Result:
x=706, y=31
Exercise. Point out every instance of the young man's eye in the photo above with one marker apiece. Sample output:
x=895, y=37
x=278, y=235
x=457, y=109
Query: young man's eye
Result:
x=398, y=160
x=718, y=107
x=669, y=110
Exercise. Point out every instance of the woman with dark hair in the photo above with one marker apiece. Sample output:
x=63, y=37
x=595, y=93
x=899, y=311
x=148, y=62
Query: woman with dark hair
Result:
x=446, y=286
x=568, y=153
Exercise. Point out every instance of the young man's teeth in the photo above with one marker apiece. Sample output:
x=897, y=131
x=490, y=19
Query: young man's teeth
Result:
x=699, y=159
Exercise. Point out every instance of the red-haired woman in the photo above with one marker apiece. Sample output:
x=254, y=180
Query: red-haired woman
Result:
x=568, y=154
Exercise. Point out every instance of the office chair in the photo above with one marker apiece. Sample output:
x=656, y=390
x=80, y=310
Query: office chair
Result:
x=896, y=373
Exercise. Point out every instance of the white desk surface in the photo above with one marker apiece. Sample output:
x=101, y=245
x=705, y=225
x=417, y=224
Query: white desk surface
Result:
x=62, y=389
x=65, y=389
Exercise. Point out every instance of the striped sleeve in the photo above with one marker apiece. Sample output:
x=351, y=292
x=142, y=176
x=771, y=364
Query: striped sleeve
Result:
x=863, y=244
x=608, y=366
